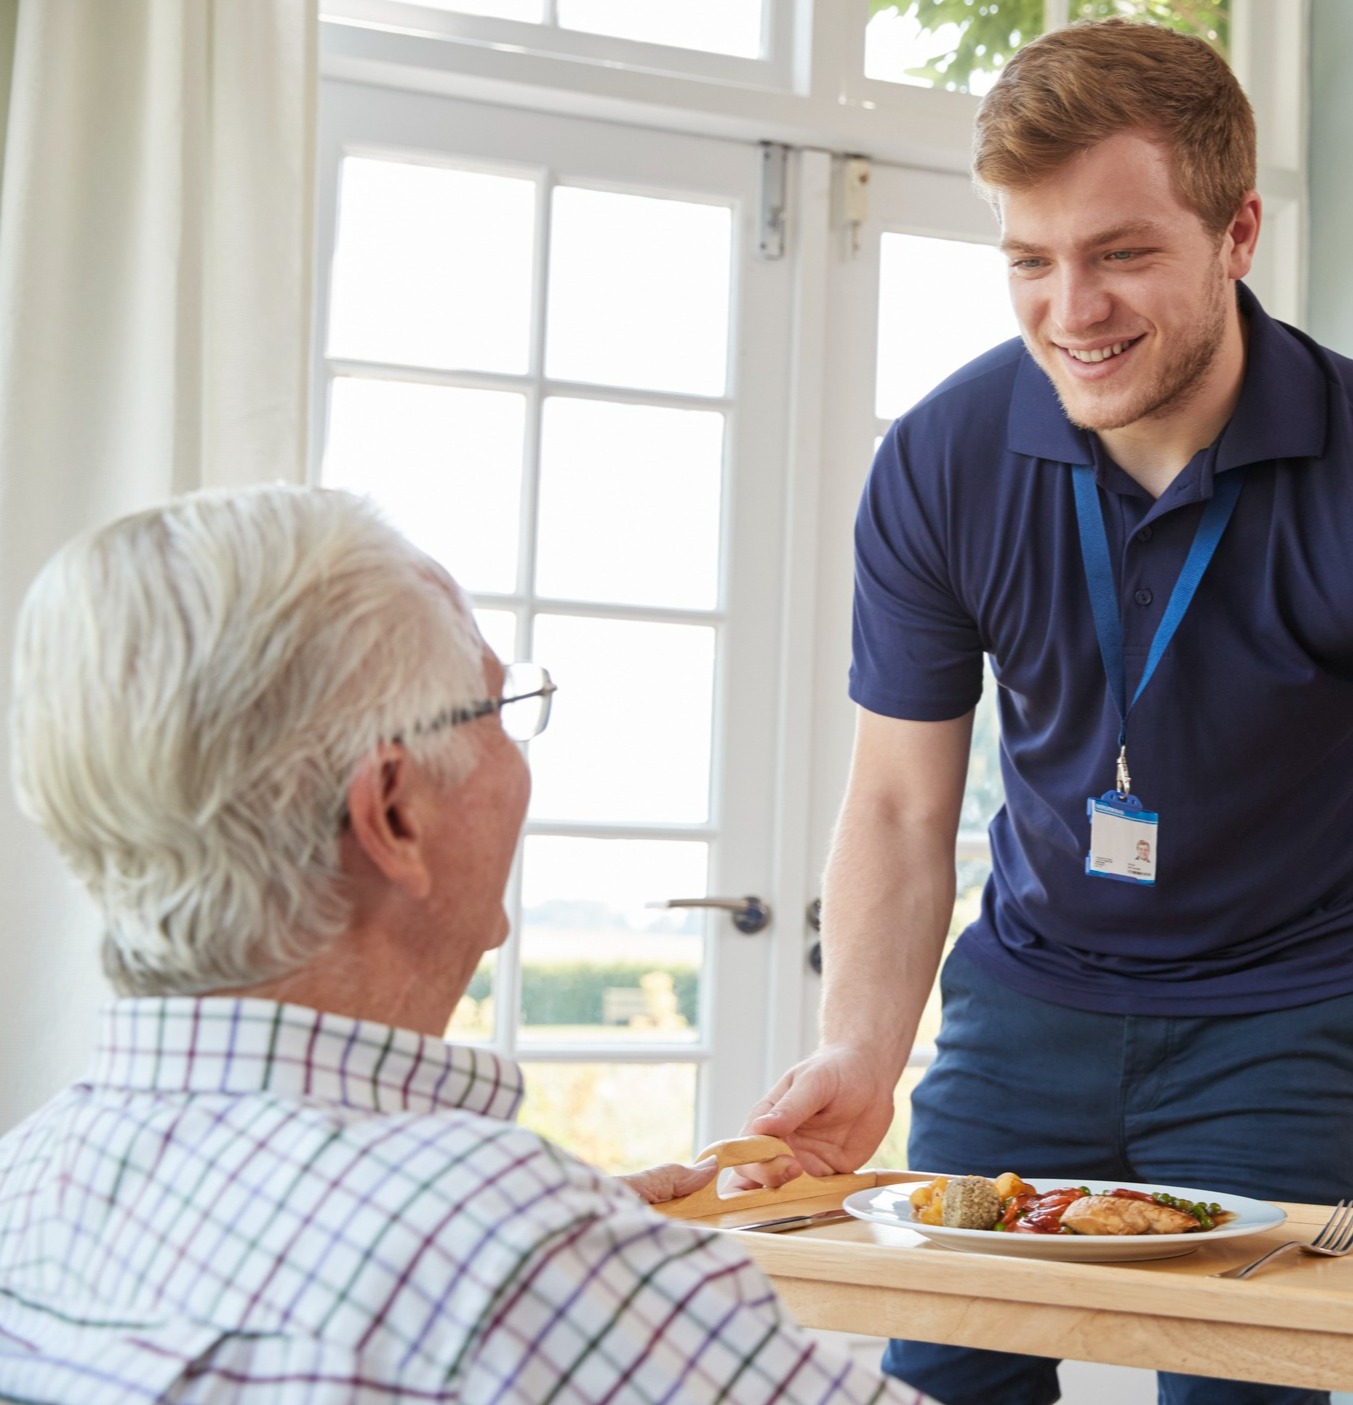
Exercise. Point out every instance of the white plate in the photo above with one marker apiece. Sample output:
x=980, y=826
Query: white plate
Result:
x=890, y=1205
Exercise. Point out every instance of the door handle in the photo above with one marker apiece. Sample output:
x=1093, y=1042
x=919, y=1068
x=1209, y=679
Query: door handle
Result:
x=750, y=915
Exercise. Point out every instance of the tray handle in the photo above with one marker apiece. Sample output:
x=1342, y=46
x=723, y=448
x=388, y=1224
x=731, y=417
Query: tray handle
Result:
x=742, y=1151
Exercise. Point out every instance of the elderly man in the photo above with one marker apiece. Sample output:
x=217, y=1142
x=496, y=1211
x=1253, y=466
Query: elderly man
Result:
x=265, y=733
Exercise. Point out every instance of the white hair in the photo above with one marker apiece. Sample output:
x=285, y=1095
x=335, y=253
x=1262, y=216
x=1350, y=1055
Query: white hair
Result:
x=194, y=688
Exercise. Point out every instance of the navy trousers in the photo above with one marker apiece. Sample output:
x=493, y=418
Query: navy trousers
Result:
x=1258, y=1105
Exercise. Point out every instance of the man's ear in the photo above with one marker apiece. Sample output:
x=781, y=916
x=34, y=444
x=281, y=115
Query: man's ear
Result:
x=387, y=819
x=1244, y=235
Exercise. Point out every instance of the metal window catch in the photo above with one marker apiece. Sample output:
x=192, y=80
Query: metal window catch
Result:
x=750, y=915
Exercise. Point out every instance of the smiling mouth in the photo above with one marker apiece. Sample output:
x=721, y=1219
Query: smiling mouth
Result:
x=1101, y=353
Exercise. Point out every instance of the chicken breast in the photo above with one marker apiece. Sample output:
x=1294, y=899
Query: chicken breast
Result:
x=1111, y=1214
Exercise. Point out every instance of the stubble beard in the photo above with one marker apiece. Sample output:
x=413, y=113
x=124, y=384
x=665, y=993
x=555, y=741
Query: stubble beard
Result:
x=1177, y=383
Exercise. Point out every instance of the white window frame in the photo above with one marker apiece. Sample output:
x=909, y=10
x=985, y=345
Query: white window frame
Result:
x=809, y=91
x=677, y=90
x=775, y=68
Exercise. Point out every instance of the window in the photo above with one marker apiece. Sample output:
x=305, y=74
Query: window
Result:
x=536, y=364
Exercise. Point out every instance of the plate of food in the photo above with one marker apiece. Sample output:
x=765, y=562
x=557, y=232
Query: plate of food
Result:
x=1089, y=1221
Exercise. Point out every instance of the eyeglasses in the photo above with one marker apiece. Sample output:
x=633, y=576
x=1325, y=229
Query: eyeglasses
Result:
x=523, y=706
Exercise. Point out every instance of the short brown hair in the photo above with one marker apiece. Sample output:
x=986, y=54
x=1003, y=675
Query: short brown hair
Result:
x=1066, y=91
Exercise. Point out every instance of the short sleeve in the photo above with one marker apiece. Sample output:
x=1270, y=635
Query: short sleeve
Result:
x=916, y=651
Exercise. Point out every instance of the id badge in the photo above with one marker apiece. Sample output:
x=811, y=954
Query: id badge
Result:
x=1122, y=839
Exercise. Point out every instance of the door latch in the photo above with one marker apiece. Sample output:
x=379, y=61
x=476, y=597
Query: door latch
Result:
x=750, y=915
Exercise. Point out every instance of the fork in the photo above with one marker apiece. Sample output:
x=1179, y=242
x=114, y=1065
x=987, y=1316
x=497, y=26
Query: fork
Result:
x=1333, y=1242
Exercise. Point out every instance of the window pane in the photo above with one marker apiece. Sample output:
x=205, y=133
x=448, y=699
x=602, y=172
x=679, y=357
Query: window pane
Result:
x=620, y=1117
x=947, y=45
x=499, y=628
x=472, y=1019
x=629, y=738
x=639, y=291
x=715, y=26
x=941, y=302
x=433, y=267
x=443, y=463
x=629, y=504
x=1209, y=19
x=985, y=791
x=598, y=963
x=963, y=46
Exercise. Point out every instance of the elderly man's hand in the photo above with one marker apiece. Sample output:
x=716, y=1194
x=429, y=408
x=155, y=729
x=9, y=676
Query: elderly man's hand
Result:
x=670, y=1181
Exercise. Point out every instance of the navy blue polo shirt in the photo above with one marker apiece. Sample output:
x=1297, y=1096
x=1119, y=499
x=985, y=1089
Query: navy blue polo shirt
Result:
x=966, y=543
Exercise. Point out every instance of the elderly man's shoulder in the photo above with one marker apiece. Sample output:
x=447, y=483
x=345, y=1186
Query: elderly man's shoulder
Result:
x=356, y=1137
x=431, y=1199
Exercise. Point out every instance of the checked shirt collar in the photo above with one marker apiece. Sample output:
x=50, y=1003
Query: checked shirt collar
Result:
x=184, y=1044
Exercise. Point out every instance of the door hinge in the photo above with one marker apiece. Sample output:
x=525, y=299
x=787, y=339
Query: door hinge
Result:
x=771, y=232
x=854, y=199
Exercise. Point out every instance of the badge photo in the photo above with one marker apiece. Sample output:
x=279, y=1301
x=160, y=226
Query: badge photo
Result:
x=1122, y=839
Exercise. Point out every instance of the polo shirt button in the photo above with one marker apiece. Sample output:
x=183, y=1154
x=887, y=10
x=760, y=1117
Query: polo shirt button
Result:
x=1143, y=597
x=1145, y=534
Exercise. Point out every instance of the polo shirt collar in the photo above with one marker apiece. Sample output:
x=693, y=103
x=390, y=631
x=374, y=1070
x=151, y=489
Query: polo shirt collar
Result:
x=184, y=1044
x=1282, y=412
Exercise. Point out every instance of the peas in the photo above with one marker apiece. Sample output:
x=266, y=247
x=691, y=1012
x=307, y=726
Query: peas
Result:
x=1206, y=1214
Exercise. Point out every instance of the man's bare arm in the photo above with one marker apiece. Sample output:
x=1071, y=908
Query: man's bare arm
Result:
x=887, y=902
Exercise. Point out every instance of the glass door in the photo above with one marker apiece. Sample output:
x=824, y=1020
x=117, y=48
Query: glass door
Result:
x=918, y=289
x=552, y=355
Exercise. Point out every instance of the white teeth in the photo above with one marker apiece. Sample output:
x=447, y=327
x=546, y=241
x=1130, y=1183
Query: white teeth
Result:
x=1101, y=354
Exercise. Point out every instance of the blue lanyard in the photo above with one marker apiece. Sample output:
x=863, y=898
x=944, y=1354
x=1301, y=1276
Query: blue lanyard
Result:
x=1104, y=598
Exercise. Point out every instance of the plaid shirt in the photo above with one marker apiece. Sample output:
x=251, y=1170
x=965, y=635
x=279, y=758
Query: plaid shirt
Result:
x=251, y=1201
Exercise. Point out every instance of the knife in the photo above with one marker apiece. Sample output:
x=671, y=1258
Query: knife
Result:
x=789, y=1222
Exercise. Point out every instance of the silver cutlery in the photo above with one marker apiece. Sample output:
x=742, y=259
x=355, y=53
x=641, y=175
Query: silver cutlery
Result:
x=788, y=1222
x=1333, y=1242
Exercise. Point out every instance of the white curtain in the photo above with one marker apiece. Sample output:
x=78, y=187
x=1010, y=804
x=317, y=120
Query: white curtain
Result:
x=155, y=310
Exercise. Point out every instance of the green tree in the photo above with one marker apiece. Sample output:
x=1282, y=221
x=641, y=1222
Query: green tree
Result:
x=991, y=30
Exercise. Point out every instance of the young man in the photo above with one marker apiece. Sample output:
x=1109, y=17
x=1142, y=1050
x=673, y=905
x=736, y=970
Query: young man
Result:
x=1140, y=511
x=264, y=731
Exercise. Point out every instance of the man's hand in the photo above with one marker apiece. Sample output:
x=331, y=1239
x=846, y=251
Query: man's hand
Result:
x=833, y=1109
x=671, y=1181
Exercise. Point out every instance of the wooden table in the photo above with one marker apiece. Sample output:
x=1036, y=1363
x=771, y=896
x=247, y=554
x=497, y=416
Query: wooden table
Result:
x=1291, y=1324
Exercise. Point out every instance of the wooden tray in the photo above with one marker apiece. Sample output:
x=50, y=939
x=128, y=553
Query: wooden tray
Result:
x=1290, y=1325
x=729, y=1210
